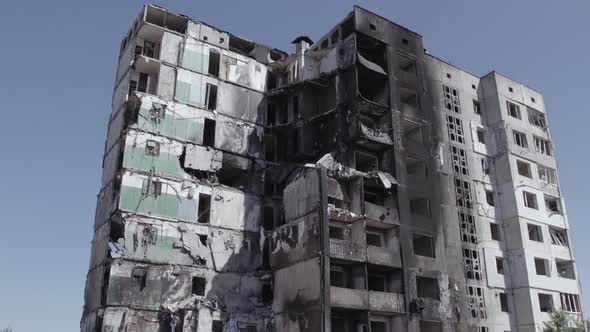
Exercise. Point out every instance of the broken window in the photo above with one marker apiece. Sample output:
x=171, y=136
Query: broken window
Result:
x=475, y=301
x=365, y=162
x=211, y=96
x=490, y=198
x=268, y=216
x=552, y=204
x=198, y=286
x=214, y=60
x=204, y=208
x=420, y=206
x=570, y=302
x=152, y=148
x=336, y=232
x=535, y=233
x=541, y=267
x=520, y=139
x=565, y=268
x=132, y=86
x=481, y=135
x=413, y=131
x=376, y=282
x=463, y=194
x=142, y=86
x=524, y=169
x=209, y=132
x=468, y=229
x=472, y=264
x=495, y=231
x=476, y=107
x=537, y=118
x=542, y=146
x=375, y=237
x=547, y=175
x=485, y=165
x=459, y=159
x=416, y=167
x=217, y=326
x=340, y=276
x=558, y=236
x=455, y=129
x=271, y=114
x=530, y=200
x=545, y=302
x=423, y=245
x=151, y=187
x=378, y=326
x=504, y=302
x=427, y=287
x=513, y=110
x=500, y=265
x=451, y=99
x=407, y=65
x=373, y=82
x=139, y=277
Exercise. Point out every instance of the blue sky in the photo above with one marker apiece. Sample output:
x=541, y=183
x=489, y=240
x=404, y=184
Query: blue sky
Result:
x=59, y=60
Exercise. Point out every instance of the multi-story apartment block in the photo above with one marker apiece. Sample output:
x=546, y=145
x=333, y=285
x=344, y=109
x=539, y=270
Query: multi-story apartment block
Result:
x=359, y=184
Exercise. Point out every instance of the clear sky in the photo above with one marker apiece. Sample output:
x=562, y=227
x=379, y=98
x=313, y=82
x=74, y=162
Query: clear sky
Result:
x=58, y=65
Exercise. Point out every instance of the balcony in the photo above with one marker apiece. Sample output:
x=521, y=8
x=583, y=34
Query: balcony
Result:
x=369, y=136
x=347, y=250
x=386, y=302
x=384, y=256
x=380, y=213
x=349, y=298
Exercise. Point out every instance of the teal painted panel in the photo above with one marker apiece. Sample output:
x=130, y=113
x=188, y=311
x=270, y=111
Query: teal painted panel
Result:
x=188, y=128
x=196, y=59
x=165, y=205
x=183, y=91
x=134, y=157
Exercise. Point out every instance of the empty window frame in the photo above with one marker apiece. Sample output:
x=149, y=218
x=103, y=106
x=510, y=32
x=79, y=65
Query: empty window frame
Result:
x=542, y=146
x=570, y=302
x=541, y=266
x=504, y=302
x=427, y=287
x=151, y=187
x=459, y=159
x=407, y=65
x=547, y=175
x=376, y=281
x=198, y=286
x=467, y=228
x=485, y=165
x=142, y=85
x=214, y=60
x=530, y=200
x=473, y=270
x=365, y=162
x=520, y=139
x=463, y=194
x=413, y=131
x=211, y=96
x=537, y=118
x=416, y=167
x=423, y=245
x=338, y=276
x=490, y=198
x=513, y=110
x=377, y=326
x=500, y=265
x=336, y=232
x=455, y=129
x=495, y=231
x=139, y=277
x=552, y=204
x=535, y=233
x=209, y=132
x=420, y=206
x=152, y=148
x=545, y=302
x=524, y=168
x=565, y=268
x=204, y=208
x=375, y=237
x=451, y=99
x=476, y=302
x=558, y=236
x=481, y=135
x=476, y=107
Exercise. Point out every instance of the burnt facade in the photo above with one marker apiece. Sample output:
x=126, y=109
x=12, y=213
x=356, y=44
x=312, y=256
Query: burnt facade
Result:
x=246, y=189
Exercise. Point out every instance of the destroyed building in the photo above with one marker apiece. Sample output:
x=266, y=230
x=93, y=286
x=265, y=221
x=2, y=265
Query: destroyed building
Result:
x=359, y=184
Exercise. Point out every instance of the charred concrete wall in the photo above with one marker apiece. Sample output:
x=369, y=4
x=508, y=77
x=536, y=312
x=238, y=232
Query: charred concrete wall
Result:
x=246, y=189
